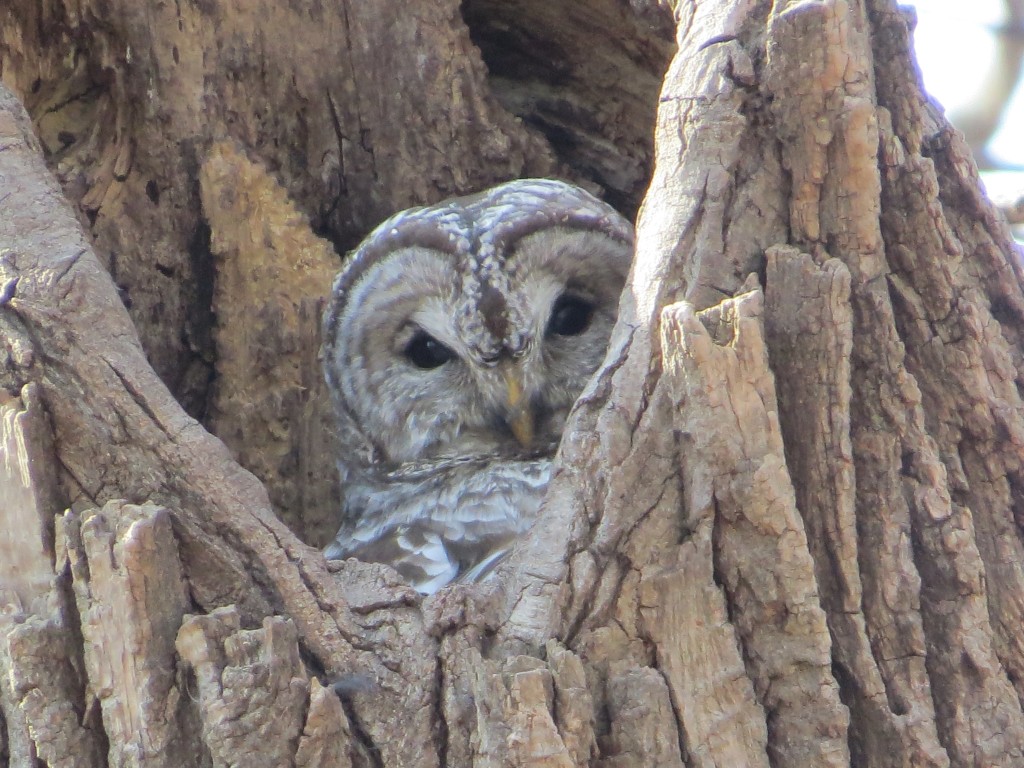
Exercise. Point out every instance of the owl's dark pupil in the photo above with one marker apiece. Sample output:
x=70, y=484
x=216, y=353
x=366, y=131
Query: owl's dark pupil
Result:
x=424, y=351
x=570, y=316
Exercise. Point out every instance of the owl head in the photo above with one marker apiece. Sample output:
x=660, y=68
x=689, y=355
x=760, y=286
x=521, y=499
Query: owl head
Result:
x=470, y=327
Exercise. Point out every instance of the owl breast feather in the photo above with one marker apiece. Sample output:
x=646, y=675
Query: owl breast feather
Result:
x=436, y=523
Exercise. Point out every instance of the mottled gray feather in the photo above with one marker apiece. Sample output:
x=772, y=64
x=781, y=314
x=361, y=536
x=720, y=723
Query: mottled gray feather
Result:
x=435, y=481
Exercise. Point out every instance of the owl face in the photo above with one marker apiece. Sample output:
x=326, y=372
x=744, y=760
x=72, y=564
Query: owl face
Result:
x=469, y=328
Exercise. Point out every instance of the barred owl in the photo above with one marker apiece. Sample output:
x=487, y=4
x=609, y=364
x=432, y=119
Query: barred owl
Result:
x=456, y=340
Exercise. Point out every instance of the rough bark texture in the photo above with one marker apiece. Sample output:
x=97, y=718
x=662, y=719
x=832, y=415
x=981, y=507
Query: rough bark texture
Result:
x=269, y=402
x=786, y=529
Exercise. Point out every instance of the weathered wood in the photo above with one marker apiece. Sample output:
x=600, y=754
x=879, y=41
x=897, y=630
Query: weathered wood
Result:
x=586, y=76
x=811, y=342
x=739, y=476
x=270, y=403
x=641, y=722
x=254, y=695
x=785, y=529
x=46, y=712
x=131, y=599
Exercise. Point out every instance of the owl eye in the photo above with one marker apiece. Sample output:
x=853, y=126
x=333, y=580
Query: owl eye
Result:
x=570, y=316
x=424, y=351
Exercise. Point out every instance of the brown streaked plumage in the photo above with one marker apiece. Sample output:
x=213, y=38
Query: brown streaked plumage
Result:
x=456, y=340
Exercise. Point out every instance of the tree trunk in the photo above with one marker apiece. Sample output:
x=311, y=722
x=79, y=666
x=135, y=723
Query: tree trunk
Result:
x=786, y=527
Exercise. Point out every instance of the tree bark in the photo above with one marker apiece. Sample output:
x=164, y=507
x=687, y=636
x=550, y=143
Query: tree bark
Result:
x=786, y=527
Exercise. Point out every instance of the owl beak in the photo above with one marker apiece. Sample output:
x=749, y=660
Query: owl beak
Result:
x=519, y=415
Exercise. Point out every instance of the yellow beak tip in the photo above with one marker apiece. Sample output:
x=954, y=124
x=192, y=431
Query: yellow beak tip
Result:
x=522, y=429
x=520, y=418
